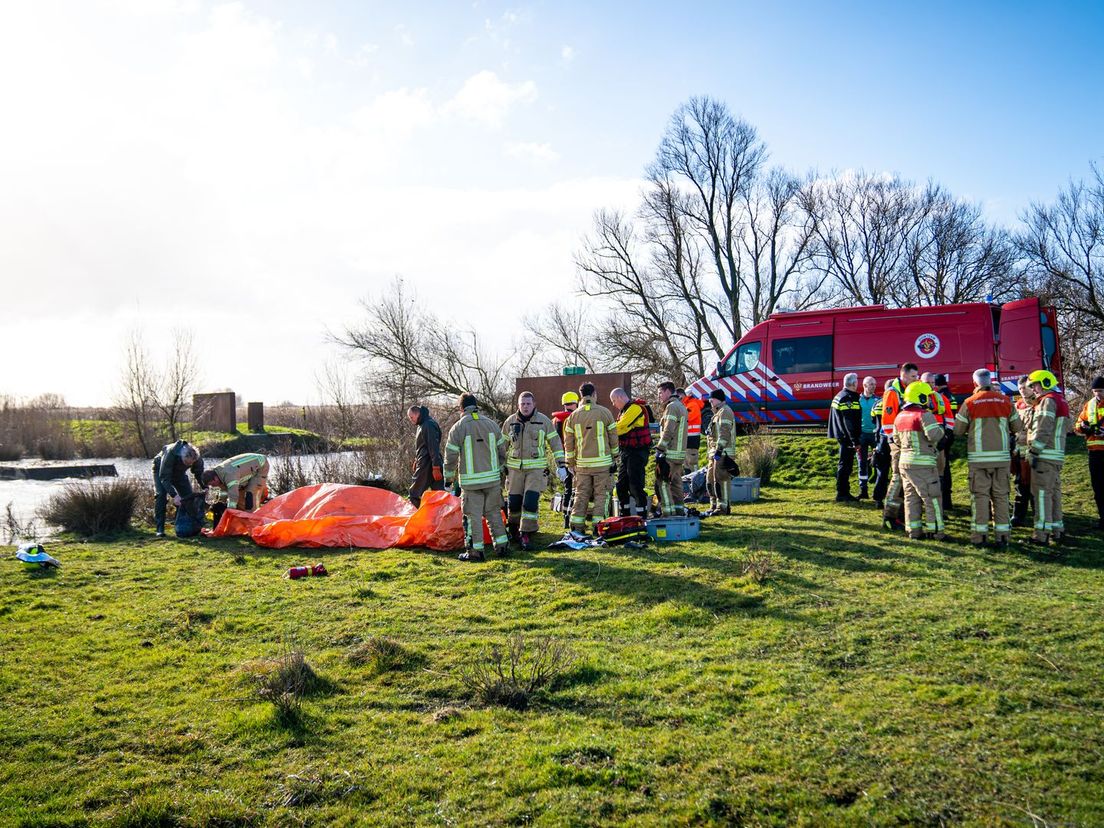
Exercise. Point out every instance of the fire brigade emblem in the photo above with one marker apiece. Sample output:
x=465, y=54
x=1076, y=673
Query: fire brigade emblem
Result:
x=927, y=345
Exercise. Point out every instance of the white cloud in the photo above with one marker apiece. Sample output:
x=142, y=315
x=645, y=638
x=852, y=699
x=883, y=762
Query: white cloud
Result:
x=567, y=54
x=485, y=99
x=531, y=151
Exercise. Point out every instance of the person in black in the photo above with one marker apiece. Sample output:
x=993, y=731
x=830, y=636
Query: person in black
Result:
x=944, y=387
x=845, y=425
x=427, y=472
x=170, y=478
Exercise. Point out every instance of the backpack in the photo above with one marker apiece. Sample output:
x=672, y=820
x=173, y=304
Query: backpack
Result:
x=622, y=529
x=190, y=515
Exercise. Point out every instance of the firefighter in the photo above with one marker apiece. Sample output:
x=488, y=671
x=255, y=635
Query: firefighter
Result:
x=530, y=438
x=868, y=435
x=1046, y=448
x=1021, y=467
x=244, y=478
x=721, y=441
x=569, y=401
x=590, y=448
x=427, y=466
x=476, y=447
x=989, y=421
x=845, y=425
x=674, y=438
x=950, y=412
x=695, y=406
x=939, y=408
x=170, y=478
x=917, y=432
x=634, y=438
x=1090, y=424
x=881, y=456
x=892, y=402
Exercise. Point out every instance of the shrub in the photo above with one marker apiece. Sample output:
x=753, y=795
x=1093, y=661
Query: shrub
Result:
x=95, y=507
x=284, y=681
x=758, y=565
x=510, y=675
x=15, y=530
x=382, y=655
x=759, y=456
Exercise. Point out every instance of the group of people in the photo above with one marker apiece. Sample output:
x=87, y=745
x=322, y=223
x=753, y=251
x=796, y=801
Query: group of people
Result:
x=592, y=450
x=903, y=440
x=243, y=480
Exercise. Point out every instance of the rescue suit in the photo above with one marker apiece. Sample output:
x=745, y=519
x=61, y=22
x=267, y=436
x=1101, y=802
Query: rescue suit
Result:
x=917, y=432
x=671, y=450
x=475, y=451
x=245, y=479
x=590, y=448
x=634, y=439
x=529, y=441
x=1021, y=464
x=892, y=401
x=427, y=472
x=989, y=420
x=170, y=477
x=1090, y=424
x=720, y=438
x=1046, y=446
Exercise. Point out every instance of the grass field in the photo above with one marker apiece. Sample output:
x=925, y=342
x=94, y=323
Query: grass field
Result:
x=796, y=666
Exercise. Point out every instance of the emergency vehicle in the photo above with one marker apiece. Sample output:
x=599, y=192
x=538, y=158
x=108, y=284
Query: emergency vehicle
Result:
x=786, y=370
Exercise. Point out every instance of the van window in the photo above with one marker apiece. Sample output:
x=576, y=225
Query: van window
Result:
x=744, y=358
x=802, y=355
x=1050, y=344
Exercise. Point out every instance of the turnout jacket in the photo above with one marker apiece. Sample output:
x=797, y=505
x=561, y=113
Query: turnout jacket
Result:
x=476, y=446
x=675, y=428
x=529, y=441
x=170, y=470
x=427, y=440
x=590, y=436
x=1092, y=415
x=1047, y=438
x=845, y=420
x=917, y=432
x=237, y=475
x=989, y=419
x=721, y=434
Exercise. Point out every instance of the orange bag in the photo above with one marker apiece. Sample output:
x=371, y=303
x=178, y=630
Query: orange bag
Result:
x=333, y=514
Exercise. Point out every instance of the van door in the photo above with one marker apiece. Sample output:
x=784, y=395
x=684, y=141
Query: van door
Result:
x=1019, y=340
x=801, y=389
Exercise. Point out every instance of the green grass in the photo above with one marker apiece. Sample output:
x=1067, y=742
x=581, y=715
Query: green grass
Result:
x=849, y=677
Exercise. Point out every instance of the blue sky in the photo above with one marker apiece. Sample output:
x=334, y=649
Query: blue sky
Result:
x=213, y=166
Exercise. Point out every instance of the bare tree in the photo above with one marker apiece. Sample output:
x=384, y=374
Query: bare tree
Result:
x=177, y=383
x=863, y=225
x=420, y=356
x=137, y=396
x=343, y=411
x=568, y=333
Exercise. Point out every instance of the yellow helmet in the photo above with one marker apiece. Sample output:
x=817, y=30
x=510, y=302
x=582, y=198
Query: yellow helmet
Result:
x=918, y=393
x=569, y=397
x=1044, y=378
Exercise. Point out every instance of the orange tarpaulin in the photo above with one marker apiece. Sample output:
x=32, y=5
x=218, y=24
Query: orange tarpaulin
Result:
x=334, y=514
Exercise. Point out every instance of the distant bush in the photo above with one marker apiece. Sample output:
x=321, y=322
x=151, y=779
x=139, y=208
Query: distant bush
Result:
x=291, y=471
x=284, y=681
x=95, y=507
x=383, y=655
x=510, y=675
x=758, y=457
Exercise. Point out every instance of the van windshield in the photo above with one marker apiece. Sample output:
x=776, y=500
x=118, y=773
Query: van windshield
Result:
x=744, y=358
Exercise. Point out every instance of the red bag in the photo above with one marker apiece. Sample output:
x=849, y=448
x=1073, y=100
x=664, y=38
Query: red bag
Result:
x=621, y=529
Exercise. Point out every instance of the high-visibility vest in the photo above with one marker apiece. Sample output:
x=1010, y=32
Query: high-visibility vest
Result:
x=1092, y=414
x=891, y=405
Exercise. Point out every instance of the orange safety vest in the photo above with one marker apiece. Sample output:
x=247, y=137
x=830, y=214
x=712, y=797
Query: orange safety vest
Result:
x=1092, y=414
x=694, y=408
x=891, y=405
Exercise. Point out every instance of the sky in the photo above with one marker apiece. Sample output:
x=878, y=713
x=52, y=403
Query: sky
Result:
x=252, y=172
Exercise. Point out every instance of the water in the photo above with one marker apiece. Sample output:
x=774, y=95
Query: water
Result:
x=28, y=496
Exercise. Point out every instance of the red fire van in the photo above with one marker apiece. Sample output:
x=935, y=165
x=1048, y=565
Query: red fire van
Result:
x=786, y=370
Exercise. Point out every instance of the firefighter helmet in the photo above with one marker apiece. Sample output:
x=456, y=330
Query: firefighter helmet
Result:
x=918, y=393
x=569, y=397
x=1044, y=378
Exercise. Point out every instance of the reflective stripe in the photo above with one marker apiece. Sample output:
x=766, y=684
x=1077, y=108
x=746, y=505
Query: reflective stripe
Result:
x=469, y=460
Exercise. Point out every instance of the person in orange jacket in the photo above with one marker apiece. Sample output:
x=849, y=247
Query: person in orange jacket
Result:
x=1090, y=425
x=694, y=407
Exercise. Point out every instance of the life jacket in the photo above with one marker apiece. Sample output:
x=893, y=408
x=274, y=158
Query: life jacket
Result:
x=891, y=405
x=1093, y=414
x=640, y=434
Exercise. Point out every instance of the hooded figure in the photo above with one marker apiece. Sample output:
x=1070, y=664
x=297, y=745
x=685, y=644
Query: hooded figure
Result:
x=426, y=467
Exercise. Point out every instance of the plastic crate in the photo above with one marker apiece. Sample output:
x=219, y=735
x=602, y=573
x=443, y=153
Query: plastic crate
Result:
x=674, y=528
x=743, y=489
